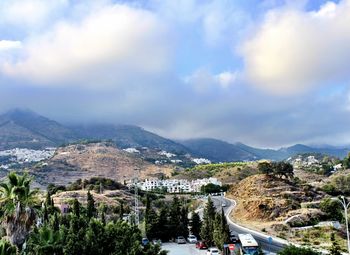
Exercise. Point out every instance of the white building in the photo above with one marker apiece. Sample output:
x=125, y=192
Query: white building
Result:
x=177, y=186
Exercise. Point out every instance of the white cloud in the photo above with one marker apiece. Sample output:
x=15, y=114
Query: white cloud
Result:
x=28, y=13
x=203, y=81
x=9, y=45
x=226, y=79
x=115, y=41
x=293, y=50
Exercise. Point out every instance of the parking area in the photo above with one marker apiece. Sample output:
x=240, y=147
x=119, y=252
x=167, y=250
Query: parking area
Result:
x=182, y=249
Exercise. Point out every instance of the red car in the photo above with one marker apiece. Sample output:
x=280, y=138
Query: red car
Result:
x=201, y=245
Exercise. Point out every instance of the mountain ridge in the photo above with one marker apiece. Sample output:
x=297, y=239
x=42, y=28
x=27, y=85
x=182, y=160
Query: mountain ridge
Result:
x=27, y=129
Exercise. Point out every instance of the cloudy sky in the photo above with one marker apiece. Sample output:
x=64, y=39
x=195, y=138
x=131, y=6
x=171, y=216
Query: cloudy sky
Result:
x=267, y=73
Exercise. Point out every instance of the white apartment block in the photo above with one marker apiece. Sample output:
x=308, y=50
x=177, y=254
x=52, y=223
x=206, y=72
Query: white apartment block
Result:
x=177, y=186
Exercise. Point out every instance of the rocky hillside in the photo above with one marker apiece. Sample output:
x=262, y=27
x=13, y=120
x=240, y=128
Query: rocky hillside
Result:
x=83, y=161
x=263, y=198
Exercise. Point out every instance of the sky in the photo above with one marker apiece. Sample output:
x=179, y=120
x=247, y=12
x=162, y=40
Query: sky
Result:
x=267, y=73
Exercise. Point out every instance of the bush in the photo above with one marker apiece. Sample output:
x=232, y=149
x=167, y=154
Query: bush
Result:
x=293, y=250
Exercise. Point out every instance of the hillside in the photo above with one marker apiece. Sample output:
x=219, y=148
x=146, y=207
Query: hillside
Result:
x=220, y=151
x=262, y=198
x=217, y=151
x=126, y=136
x=26, y=129
x=83, y=161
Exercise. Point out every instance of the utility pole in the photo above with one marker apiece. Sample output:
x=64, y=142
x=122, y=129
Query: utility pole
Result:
x=346, y=206
x=137, y=212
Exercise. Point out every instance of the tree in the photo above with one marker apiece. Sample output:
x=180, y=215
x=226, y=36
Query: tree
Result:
x=207, y=229
x=221, y=230
x=335, y=249
x=45, y=241
x=76, y=207
x=17, y=201
x=265, y=168
x=6, y=248
x=346, y=162
x=293, y=250
x=163, y=224
x=95, y=238
x=90, y=208
x=151, y=220
x=175, y=218
x=332, y=208
x=184, y=221
x=121, y=210
x=211, y=188
x=196, y=224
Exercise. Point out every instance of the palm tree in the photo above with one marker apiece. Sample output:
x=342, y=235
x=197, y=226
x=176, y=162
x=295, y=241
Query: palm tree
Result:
x=45, y=241
x=6, y=248
x=17, y=203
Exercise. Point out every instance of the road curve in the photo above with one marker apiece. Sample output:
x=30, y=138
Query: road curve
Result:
x=275, y=246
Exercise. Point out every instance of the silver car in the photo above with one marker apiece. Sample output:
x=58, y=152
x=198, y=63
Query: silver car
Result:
x=181, y=240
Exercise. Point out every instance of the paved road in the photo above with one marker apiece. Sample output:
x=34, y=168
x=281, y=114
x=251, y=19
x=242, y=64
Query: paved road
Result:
x=182, y=249
x=273, y=247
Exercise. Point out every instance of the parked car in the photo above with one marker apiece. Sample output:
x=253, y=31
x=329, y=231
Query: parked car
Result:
x=213, y=251
x=201, y=245
x=144, y=241
x=223, y=204
x=192, y=239
x=180, y=240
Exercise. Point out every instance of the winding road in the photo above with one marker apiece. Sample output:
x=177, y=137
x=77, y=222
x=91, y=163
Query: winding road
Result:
x=267, y=244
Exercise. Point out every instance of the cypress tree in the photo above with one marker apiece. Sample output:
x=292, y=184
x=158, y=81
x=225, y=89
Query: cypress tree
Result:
x=196, y=224
x=207, y=229
x=90, y=209
x=76, y=208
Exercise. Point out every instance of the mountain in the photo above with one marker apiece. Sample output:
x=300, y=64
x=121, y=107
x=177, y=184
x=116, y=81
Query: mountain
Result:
x=220, y=151
x=217, y=150
x=126, y=136
x=26, y=129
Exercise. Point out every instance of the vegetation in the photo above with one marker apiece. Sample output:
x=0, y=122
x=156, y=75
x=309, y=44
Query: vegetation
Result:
x=293, y=250
x=278, y=169
x=195, y=224
x=332, y=208
x=168, y=222
x=339, y=185
x=215, y=229
x=211, y=169
x=335, y=249
x=213, y=188
x=17, y=211
x=45, y=230
x=346, y=162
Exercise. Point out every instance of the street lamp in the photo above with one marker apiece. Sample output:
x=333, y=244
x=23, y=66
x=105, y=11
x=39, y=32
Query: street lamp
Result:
x=346, y=206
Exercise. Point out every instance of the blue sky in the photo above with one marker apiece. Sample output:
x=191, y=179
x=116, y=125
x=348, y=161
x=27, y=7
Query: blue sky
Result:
x=267, y=73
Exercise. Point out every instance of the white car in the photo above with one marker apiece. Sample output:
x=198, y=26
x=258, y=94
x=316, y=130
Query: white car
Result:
x=192, y=239
x=213, y=251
